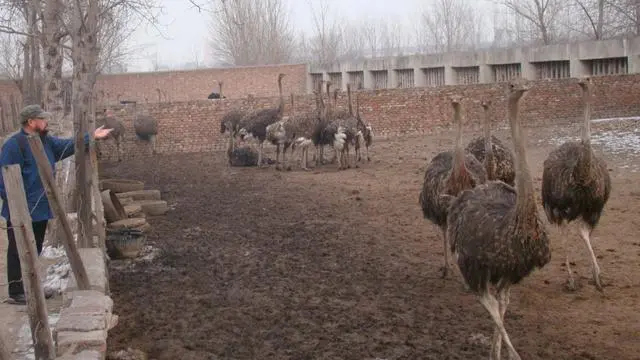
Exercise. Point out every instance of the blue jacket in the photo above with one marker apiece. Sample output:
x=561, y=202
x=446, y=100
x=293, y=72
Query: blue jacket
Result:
x=16, y=150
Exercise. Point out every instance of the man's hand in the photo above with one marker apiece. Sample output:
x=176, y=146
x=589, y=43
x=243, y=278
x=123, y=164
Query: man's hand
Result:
x=101, y=132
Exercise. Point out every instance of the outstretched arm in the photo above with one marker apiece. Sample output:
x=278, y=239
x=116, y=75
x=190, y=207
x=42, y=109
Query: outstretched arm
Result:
x=63, y=148
x=10, y=154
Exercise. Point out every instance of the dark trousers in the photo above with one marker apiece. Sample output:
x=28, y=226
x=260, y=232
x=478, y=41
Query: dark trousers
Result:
x=14, y=272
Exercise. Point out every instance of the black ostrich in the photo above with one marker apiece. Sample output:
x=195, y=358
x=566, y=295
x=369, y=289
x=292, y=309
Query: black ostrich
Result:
x=576, y=185
x=146, y=128
x=497, y=235
x=365, y=132
x=446, y=176
x=215, y=95
x=489, y=150
x=254, y=125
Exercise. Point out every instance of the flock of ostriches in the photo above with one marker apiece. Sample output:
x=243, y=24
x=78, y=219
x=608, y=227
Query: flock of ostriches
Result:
x=481, y=196
x=324, y=125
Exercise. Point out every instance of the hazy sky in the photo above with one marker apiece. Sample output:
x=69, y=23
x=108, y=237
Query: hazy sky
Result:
x=186, y=30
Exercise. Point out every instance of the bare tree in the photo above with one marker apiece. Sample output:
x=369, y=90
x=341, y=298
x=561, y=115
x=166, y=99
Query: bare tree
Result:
x=324, y=46
x=11, y=56
x=542, y=16
x=354, y=42
x=449, y=25
x=251, y=32
x=627, y=14
x=393, y=37
x=21, y=17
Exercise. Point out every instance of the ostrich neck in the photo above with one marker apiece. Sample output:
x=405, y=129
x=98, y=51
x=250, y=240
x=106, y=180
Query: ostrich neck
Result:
x=328, y=102
x=458, y=152
x=525, y=204
x=349, y=100
x=584, y=166
x=488, y=146
x=281, y=105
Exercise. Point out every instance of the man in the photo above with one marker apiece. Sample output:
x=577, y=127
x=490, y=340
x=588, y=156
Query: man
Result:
x=16, y=150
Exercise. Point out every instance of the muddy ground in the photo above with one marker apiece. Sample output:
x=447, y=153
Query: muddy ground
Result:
x=261, y=264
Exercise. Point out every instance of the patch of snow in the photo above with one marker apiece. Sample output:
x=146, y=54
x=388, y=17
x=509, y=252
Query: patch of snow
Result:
x=622, y=142
x=51, y=252
x=57, y=276
x=634, y=118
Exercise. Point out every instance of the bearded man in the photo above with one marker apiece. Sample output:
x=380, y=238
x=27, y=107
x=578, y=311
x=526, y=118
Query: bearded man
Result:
x=16, y=150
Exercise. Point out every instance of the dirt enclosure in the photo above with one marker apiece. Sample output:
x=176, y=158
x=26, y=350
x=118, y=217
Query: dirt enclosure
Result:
x=262, y=264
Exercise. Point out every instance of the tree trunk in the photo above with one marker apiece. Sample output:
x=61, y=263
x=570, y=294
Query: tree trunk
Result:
x=84, y=55
x=53, y=99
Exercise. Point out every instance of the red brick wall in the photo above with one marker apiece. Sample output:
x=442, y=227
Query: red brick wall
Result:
x=185, y=85
x=194, y=125
x=198, y=84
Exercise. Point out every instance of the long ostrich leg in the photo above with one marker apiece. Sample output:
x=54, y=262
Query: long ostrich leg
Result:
x=585, y=233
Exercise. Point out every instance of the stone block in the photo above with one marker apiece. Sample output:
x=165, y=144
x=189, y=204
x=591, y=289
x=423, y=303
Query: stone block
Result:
x=81, y=322
x=87, y=299
x=84, y=355
x=74, y=342
x=95, y=265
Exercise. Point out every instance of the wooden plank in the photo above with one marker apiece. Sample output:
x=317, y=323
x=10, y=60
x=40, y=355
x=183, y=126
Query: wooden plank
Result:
x=26, y=243
x=46, y=176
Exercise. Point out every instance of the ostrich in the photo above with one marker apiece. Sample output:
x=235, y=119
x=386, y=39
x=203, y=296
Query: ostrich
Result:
x=109, y=121
x=352, y=125
x=497, y=235
x=304, y=126
x=146, y=127
x=446, y=176
x=254, y=125
x=365, y=131
x=231, y=122
x=278, y=135
x=497, y=158
x=576, y=184
x=215, y=95
x=317, y=138
x=336, y=131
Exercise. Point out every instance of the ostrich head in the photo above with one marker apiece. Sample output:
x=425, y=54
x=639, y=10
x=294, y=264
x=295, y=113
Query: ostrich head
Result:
x=280, y=76
x=516, y=89
x=485, y=103
x=456, y=100
x=586, y=84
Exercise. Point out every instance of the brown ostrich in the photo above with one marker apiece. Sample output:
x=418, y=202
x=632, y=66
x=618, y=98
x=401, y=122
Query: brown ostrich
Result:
x=446, y=176
x=110, y=121
x=489, y=150
x=576, y=186
x=497, y=235
x=254, y=125
x=146, y=127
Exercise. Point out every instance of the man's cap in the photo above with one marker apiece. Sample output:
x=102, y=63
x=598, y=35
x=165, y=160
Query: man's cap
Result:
x=33, y=112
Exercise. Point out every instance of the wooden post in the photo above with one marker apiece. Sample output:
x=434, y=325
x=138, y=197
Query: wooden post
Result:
x=26, y=243
x=46, y=176
x=97, y=200
x=5, y=354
